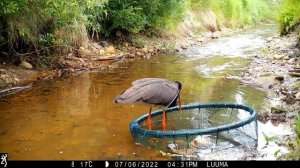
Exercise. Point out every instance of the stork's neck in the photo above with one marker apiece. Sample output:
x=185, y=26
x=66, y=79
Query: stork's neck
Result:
x=179, y=85
x=174, y=102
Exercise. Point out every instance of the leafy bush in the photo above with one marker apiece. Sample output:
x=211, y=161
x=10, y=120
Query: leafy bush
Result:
x=27, y=25
x=94, y=13
x=131, y=19
x=42, y=23
x=164, y=13
x=132, y=16
x=289, y=15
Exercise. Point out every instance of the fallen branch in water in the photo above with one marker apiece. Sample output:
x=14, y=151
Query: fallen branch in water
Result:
x=97, y=58
x=294, y=74
x=295, y=70
x=106, y=58
x=13, y=90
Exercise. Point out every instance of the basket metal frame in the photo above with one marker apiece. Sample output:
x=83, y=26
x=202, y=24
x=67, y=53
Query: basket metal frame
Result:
x=136, y=129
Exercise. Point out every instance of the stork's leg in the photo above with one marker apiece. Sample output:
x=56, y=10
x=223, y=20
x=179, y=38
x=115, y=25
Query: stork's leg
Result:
x=180, y=108
x=164, y=121
x=149, y=121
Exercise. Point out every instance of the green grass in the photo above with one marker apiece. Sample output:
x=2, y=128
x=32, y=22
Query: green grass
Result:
x=289, y=15
x=295, y=144
x=269, y=139
x=295, y=155
x=297, y=129
x=238, y=13
x=27, y=26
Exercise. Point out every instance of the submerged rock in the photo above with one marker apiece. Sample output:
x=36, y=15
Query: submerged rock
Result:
x=139, y=53
x=25, y=65
x=97, y=46
x=278, y=57
x=216, y=35
x=2, y=71
x=101, y=52
x=104, y=44
x=294, y=74
x=278, y=109
x=296, y=85
x=200, y=142
x=268, y=82
x=297, y=96
x=110, y=50
x=118, y=33
x=82, y=52
x=289, y=99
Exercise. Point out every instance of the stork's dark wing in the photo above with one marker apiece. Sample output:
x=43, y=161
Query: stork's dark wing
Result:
x=146, y=81
x=160, y=92
x=129, y=96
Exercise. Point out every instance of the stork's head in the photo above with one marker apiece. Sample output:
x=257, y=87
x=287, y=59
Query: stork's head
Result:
x=179, y=85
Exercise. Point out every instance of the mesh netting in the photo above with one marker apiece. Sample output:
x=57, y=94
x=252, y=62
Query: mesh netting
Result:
x=200, y=130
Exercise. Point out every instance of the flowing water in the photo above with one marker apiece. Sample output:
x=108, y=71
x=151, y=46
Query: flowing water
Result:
x=75, y=118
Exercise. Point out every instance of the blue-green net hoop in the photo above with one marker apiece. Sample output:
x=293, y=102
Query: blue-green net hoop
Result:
x=141, y=133
x=136, y=129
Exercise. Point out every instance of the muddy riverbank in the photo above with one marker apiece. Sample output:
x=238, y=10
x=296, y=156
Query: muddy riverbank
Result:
x=98, y=57
x=276, y=70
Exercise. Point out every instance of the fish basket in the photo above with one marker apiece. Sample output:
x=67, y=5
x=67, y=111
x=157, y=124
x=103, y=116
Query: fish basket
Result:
x=200, y=130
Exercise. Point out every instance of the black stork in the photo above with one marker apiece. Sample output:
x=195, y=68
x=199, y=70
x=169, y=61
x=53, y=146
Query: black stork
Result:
x=155, y=92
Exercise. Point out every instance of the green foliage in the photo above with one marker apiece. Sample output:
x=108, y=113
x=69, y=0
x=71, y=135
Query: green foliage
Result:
x=132, y=16
x=94, y=13
x=233, y=11
x=165, y=13
x=121, y=47
x=167, y=47
x=277, y=153
x=269, y=139
x=35, y=25
x=264, y=50
x=298, y=45
x=131, y=19
x=297, y=129
x=289, y=15
x=237, y=13
x=41, y=23
x=295, y=146
x=123, y=15
x=138, y=42
x=46, y=39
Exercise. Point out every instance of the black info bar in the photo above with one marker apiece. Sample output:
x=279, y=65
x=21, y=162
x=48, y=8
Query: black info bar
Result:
x=145, y=164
